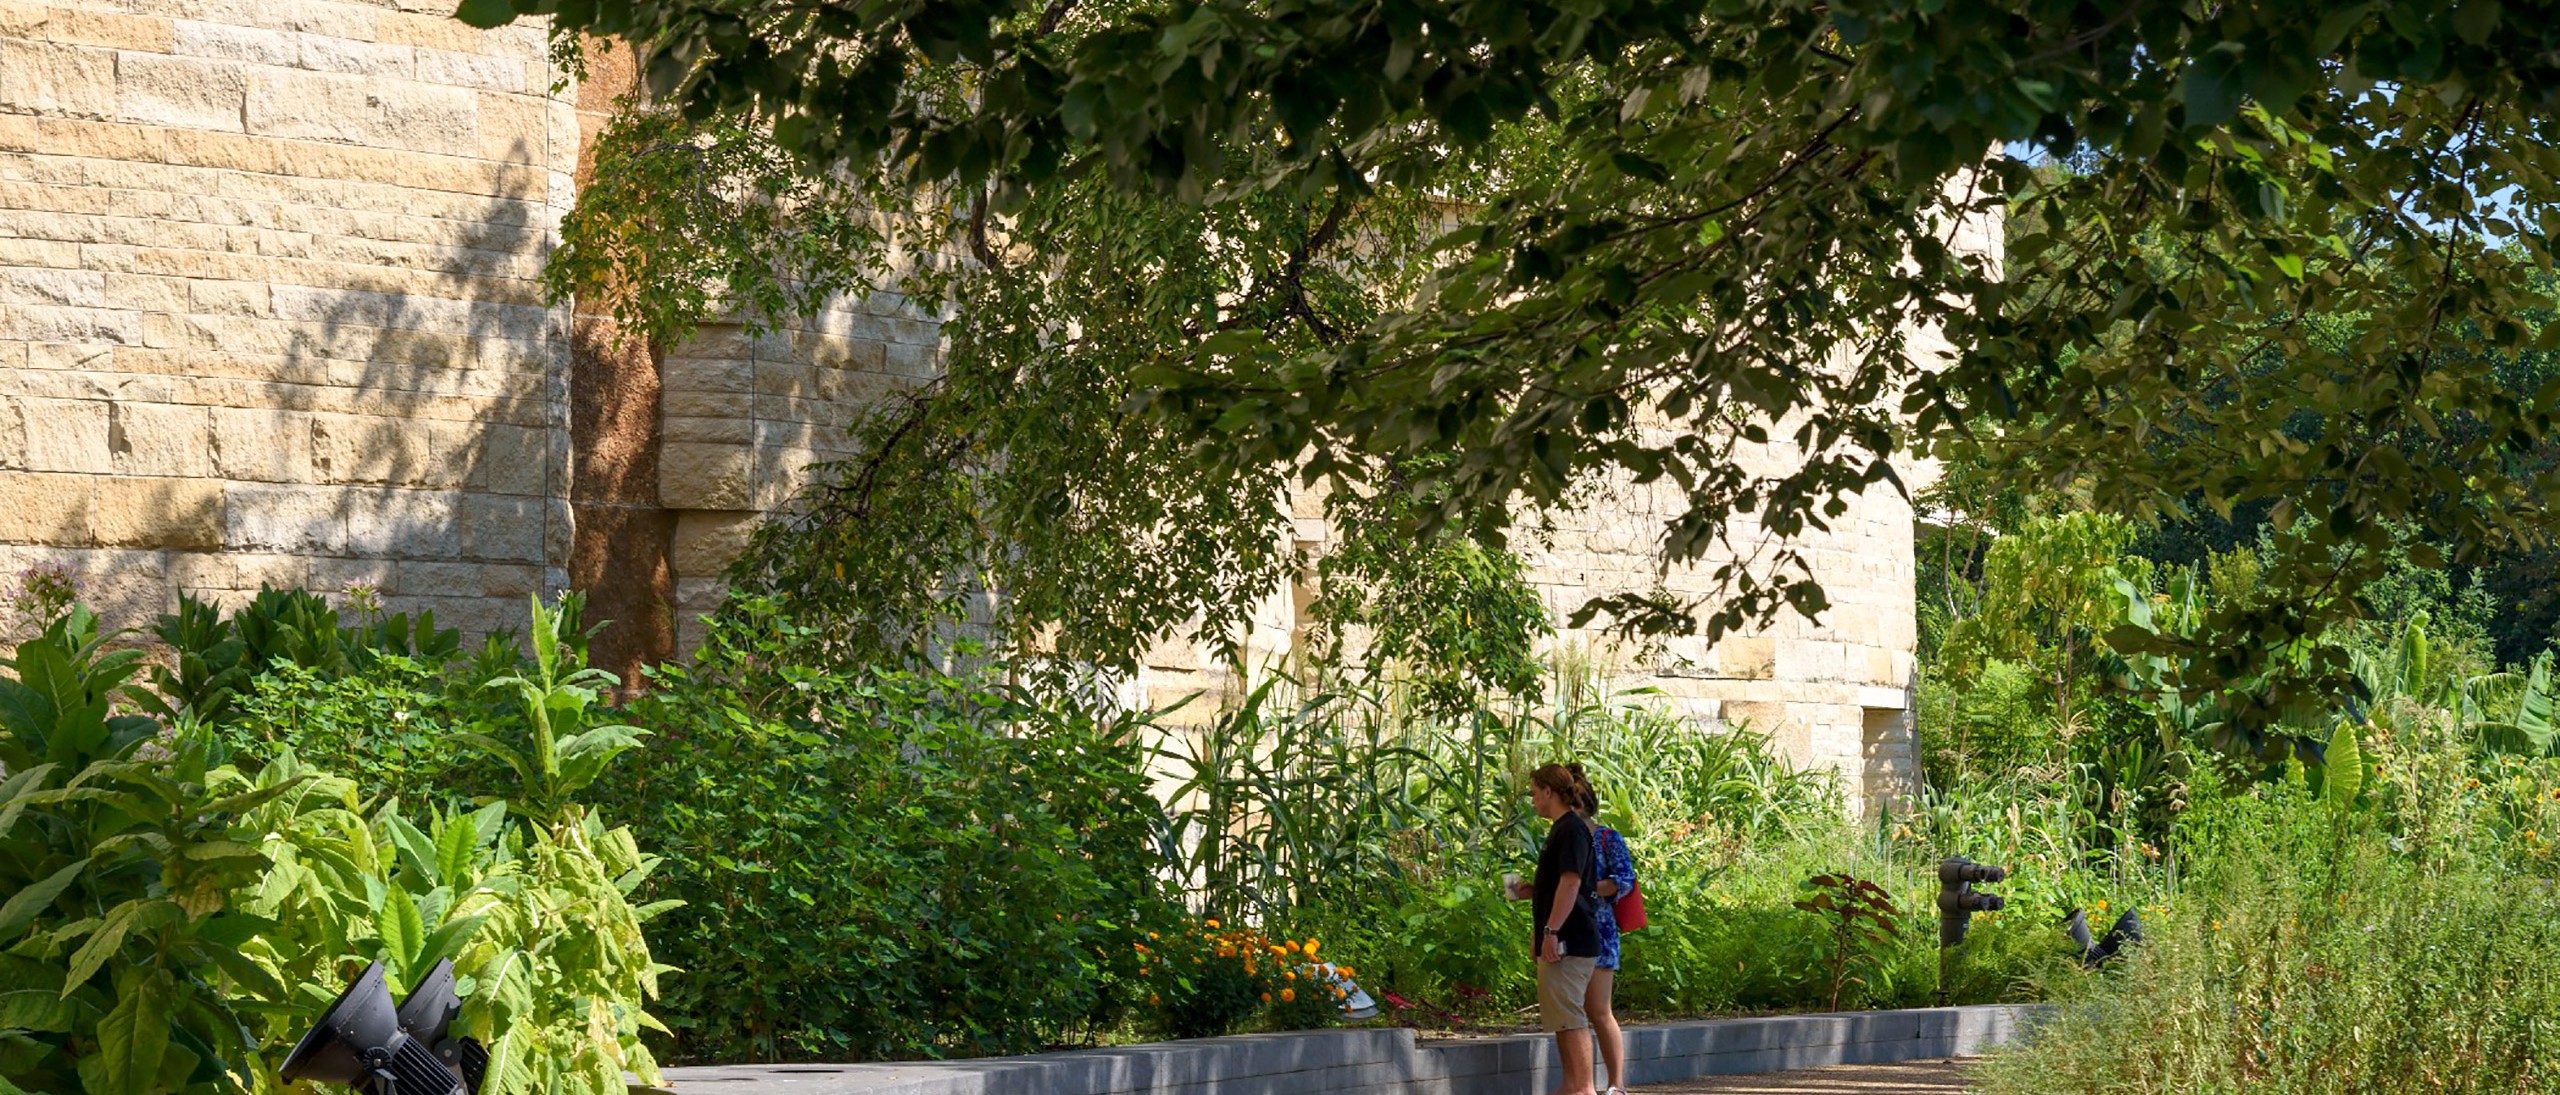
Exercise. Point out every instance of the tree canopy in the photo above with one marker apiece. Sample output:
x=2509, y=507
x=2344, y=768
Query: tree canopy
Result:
x=2283, y=253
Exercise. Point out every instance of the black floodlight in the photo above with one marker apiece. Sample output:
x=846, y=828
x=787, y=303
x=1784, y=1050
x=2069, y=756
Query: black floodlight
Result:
x=2127, y=930
x=365, y=1043
x=428, y=1015
x=1958, y=900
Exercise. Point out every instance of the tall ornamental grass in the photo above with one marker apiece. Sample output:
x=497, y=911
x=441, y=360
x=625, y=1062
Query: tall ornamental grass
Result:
x=2394, y=932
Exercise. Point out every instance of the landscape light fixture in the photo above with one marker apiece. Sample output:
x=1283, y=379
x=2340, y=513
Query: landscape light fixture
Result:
x=363, y=1042
x=2127, y=929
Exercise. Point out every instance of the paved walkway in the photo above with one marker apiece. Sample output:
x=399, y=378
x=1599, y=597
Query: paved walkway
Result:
x=1943, y=1077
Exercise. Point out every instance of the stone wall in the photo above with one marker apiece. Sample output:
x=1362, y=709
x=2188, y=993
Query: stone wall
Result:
x=269, y=309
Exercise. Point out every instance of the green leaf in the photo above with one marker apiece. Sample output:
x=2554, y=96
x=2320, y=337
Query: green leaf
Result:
x=486, y=14
x=2212, y=84
x=448, y=940
x=416, y=850
x=102, y=944
x=23, y=906
x=135, y=1036
x=457, y=846
x=2343, y=779
x=42, y=1010
x=16, y=792
x=249, y=973
x=402, y=933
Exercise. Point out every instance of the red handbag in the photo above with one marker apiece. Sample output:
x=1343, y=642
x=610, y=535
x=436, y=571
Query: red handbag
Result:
x=1630, y=909
x=1628, y=906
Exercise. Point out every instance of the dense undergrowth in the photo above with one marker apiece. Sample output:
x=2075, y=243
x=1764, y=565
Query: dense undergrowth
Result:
x=861, y=862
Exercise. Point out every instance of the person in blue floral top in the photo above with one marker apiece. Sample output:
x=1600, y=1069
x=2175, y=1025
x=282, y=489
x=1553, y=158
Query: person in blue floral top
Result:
x=1615, y=869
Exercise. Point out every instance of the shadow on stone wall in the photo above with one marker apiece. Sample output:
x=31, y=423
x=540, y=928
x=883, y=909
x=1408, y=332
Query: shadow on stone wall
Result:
x=403, y=427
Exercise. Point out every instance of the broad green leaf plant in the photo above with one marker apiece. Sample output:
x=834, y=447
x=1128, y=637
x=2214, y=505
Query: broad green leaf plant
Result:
x=173, y=922
x=120, y=852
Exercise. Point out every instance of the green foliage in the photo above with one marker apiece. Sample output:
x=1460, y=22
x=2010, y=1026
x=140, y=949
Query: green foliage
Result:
x=1339, y=797
x=2413, y=961
x=175, y=919
x=1456, y=616
x=2050, y=592
x=1860, y=918
x=934, y=864
x=563, y=747
x=552, y=967
x=1735, y=216
x=119, y=850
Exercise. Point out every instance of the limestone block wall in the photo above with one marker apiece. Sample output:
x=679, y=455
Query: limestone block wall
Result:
x=746, y=418
x=269, y=309
x=1834, y=692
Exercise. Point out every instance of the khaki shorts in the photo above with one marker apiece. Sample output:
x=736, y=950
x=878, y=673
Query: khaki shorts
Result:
x=1561, y=986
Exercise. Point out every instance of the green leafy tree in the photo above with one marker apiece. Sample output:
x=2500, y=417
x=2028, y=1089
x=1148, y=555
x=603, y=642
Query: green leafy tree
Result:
x=2049, y=596
x=1688, y=228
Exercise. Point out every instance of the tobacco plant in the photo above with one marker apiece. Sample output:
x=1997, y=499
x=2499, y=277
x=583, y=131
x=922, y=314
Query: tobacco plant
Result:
x=120, y=849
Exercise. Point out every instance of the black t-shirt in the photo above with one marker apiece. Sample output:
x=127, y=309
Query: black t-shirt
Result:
x=1568, y=851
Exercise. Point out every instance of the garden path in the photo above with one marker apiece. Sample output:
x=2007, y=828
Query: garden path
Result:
x=1940, y=1077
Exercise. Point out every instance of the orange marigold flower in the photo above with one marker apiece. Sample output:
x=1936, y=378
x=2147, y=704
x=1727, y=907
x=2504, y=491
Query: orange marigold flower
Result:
x=1266, y=998
x=1288, y=996
x=1213, y=925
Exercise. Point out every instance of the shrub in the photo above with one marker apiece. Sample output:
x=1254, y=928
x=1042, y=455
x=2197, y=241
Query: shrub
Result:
x=933, y=865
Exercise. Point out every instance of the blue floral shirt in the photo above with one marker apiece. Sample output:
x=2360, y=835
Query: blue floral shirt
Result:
x=1615, y=864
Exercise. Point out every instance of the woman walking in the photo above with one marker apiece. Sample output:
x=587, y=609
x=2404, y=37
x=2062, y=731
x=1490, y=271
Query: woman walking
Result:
x=1566, y=946
x=1614, y=875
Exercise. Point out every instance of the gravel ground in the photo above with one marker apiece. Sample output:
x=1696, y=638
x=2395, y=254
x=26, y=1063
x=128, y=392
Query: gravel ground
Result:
x=1944, y=1077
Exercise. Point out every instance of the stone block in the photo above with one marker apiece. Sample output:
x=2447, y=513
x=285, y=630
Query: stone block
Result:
x=66, y=435
x=707, y=431
x=512, y=460
x=508, y=580
x=289, y=519
x=1751, y=658
x=231, y=42
x=437, y=30
x=707, y=542
x=261, y=445
x=43, y=509
x=179, y=514
x=232, y=298
x=368, y=113
x=375, y=60
x=159, y=439
x=366, y=450
x=13, y=434
x=340, y=575
x=196, y=572
x=183, y=92
x=498, y=529
x=404, y=524
x=56, y=79
x=255, y=571
x=700, y=476
x=426, y=579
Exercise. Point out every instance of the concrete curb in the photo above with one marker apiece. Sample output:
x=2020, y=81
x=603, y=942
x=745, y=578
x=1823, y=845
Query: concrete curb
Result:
x=1389, y=1061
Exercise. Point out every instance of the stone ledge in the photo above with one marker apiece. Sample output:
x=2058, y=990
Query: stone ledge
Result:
x=1389, y=1061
